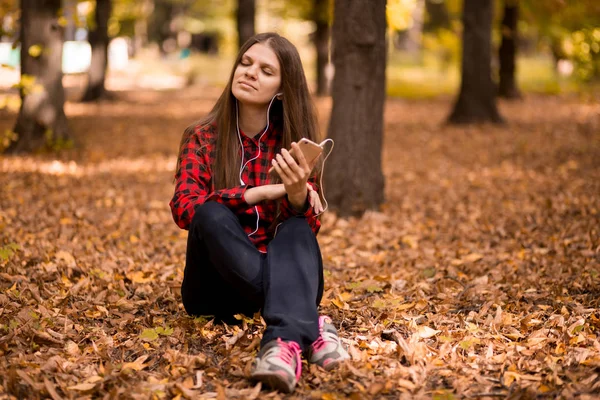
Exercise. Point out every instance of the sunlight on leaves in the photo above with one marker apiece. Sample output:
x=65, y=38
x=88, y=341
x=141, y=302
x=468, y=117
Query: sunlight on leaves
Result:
x=478, y=272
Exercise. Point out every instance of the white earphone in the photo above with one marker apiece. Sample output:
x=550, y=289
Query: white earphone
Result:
x=242, y=164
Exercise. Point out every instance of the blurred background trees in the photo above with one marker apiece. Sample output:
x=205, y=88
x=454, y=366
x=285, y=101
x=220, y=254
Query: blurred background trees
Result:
x=473, y=51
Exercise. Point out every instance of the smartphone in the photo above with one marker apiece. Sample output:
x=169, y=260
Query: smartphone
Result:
x=310, y=149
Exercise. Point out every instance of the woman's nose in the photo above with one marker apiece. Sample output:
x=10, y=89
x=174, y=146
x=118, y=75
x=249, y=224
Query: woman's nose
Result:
x=251, y=71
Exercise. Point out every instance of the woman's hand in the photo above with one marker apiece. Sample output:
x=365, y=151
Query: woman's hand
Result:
x=314, y=199
x=294, y=175
x=257, y=194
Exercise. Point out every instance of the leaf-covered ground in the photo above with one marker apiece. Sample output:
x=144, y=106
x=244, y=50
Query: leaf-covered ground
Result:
x=479, y=278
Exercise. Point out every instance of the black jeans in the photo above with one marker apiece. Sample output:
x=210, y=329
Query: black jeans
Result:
x=225, y=274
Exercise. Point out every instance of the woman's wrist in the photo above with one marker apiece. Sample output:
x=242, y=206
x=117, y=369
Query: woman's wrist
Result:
x=298, y=199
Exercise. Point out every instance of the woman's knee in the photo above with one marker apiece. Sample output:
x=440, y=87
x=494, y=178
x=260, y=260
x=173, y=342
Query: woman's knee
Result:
x=211, y=214
x=296, y=227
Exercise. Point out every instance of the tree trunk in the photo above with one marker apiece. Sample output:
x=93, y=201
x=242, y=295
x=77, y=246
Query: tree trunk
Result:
x=245, y=20
x=353, y=176
x=159, y=28
x=477, y=99
x=321, y=19
x=507, y=86
x=98, y=39
x=41, y=118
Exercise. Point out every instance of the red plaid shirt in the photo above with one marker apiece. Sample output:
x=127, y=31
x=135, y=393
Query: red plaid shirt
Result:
x=194, y=185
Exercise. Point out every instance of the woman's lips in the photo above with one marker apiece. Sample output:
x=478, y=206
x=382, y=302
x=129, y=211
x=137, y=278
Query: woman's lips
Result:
x=247, y=85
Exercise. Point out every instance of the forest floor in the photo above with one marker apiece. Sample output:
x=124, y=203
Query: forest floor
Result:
x=478, y=278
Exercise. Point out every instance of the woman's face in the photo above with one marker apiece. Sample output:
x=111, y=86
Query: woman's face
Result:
x=257, y=78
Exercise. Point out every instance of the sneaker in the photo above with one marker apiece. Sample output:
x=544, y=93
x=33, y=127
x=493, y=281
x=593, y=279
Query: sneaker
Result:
x=278, y=365
x=327, y=351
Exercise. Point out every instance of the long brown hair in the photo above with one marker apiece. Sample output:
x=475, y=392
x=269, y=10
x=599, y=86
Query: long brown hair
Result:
x=295, y=113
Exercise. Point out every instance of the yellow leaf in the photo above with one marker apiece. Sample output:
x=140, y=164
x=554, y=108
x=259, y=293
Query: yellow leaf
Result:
x=592, y=361
x=411, y=241
x=65, y=280
x=577, y=339
x=93, y=314
x=339, y=304
x=345, y=296
x=544, y=388
x=12, y=288
x=133, y=239
x=510, y=377
x=35, y=50
x=376, y=304
x=405, y=306
x=137, y=365
x=138, y=277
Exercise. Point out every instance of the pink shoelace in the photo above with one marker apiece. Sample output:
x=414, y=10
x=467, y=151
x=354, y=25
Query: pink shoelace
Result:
x=320, y=343
x=290, y=350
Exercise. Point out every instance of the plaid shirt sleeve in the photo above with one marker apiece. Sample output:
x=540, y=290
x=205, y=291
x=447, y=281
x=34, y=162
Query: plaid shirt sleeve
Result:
x=193, y=182
x=287, y=211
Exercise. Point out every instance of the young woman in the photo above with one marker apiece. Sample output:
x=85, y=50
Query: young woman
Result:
x=252, y=237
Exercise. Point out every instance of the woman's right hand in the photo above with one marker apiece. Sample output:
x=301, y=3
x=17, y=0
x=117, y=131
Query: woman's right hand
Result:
x=257, y=194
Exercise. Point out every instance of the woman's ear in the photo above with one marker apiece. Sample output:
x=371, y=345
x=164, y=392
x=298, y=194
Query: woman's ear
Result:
x=279, y=96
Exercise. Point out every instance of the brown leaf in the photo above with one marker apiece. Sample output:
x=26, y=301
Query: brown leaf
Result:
x=51, y=389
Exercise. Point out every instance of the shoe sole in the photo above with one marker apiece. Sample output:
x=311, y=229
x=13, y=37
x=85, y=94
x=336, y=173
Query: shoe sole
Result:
x=274, y=381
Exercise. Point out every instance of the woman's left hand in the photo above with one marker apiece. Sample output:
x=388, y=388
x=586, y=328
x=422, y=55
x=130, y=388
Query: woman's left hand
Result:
x=314, y=199
x=294, y=175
